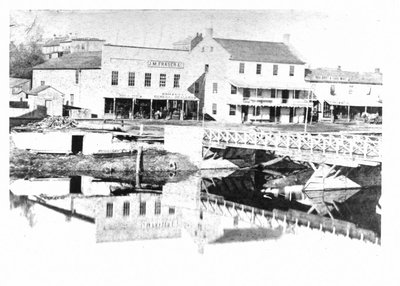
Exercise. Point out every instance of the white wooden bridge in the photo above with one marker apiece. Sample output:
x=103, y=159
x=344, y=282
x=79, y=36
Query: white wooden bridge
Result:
x=329, y=148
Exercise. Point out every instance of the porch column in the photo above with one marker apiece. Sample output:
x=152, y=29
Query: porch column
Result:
x=348, y=113
x=365, y=110
x=181, y=115
x=133, y=106
x=115, y=112
x=151, y=109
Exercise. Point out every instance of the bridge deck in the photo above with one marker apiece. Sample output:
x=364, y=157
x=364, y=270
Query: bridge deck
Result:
x=340, y=149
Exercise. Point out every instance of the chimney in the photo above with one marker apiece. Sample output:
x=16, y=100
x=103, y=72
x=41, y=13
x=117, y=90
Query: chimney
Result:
x=209, y=33
x=377, y=70
x=286, y=39
x=339, y=68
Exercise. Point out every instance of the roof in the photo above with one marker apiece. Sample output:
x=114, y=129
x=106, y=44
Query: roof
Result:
x=88, y=39
x=82, y=60
x=339, y=76
x=151, y=48
x=185, y=41
x=55, y=42
x=40, y=88
x=18, y=81
x=257, y=51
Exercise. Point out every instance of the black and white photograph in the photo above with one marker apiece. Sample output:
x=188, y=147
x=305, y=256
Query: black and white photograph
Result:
x=195, y=146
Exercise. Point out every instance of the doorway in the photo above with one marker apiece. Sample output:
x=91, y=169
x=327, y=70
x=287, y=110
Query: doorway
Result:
x=75, y=185
x=285, y=96
x=245, y=113
x=275, y=113
x=77, y=144
x=291, y=114
x=123, y=108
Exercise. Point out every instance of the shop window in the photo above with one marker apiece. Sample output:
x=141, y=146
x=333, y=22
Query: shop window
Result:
x=258, y=69
x=332, y=89
x=273, y=93
x=233, y=89
x=131, y=79
x=241, y=67
x=147, y=79
x=176, y=80
x=291, y=71
x=108, y=105
x=275, y=70
x=76, y=76
x=114, y=78
x=163, y=79
x=126, y=209
x=109, y=210
x=215, y=87
x=196, y=87
x=157, y=207
x=232, y=110
x=142, y=208
x=214, y=108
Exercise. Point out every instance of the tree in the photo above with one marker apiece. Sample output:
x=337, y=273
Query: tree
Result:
x=23, y=58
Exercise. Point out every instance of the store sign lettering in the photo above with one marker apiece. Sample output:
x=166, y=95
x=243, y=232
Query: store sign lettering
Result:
x=165, y=64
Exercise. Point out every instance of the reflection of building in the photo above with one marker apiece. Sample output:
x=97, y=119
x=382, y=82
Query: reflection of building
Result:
x=345, y=94
x=136, y=217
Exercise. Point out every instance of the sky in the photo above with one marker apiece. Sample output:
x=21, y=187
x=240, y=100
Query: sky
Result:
x=353, y=39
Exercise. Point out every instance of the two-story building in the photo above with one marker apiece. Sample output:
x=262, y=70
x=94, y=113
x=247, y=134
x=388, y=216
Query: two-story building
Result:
x=346, y=94
x=249, y=80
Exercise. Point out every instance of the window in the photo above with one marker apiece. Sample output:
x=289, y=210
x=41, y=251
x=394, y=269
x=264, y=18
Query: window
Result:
x=77, y=76
x=108, y=105
x=42, y=82
x=273, y=93
x=232, y=110
x=131, y=79
x=326, y=110
x=215, y=87
x=332, y=89
x=157, y=207
x=109, y=210
x=259, y=92
x=233, y=89
x=246, y=92
x=214, y=108
x=275, y=71
x=291, y=71
x=241, y=68
x=147, y=79
x=297, y=94
x=26, y=95
x=114, y=78
x=71, y=99
x=142, y=208
x=196, y=87
x=171, y=211
x=126, y=209
x=256, y=110
x=163, y=79
x=258, y=69
x=176, y=80
x=206, y=68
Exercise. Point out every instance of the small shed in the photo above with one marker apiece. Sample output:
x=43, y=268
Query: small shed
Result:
x=48, y=97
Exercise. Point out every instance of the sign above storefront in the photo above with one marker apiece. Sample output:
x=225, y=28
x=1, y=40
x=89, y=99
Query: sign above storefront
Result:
x=165, y=64
x=168, y=95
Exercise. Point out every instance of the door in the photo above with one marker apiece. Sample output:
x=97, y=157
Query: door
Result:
x=77, y=144
x=291, y=114
x=47, y=104
x=245, y=113
x=285, y=96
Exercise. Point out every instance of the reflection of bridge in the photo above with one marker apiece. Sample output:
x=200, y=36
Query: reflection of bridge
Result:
x=329, y=148
x=273, y=219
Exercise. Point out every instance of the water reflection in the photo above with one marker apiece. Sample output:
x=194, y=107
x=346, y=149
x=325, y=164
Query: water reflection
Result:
x=211, y=208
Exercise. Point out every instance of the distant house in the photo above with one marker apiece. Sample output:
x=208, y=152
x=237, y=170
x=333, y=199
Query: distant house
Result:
x=46, y=96
x=53, y=49
x=18, y=86
x=86, y=45
x=345, y=94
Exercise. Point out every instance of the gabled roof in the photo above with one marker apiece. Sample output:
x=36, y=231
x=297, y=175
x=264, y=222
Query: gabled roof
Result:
x=40, y=88
x=81, y=60
x=88, y=39
x=257, y=51
x=18, y=81
x=339, y=76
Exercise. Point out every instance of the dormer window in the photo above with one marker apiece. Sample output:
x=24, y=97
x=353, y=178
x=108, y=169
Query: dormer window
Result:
x=241, y=68
x=291, y=71
x=275, y=70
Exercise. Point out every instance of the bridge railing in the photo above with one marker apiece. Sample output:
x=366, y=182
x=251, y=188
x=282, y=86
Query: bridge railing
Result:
x=344, y=145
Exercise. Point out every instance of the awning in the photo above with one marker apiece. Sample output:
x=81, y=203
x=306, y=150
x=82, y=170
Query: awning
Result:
x=159, y=95
x=270, y=102
x=264, y=84
x=362, y=102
